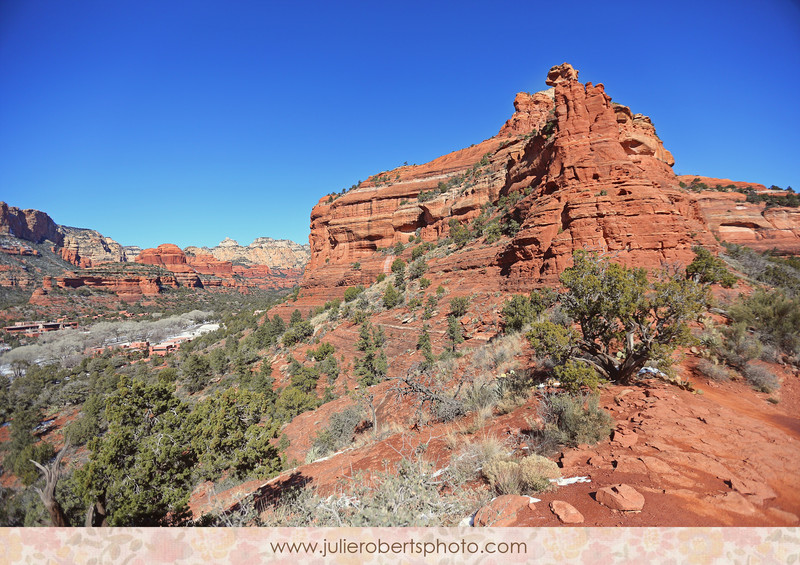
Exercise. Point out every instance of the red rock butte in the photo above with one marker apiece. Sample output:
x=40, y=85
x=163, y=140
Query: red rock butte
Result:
x=583, y=172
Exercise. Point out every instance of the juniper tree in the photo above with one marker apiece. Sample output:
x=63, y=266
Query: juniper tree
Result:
x=140, y=470
x=623, y=319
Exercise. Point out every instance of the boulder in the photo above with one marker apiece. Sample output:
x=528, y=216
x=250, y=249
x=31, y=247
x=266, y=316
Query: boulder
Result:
x=621, y=497
x=502, y=511
x=566, y=512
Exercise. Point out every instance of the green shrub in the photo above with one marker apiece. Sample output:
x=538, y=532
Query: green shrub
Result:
x=454, y=332
x=574, y=375
x=419, y=251
x=196, y=371
x=424, y=283
x=459, y=233
x=417, y=269
x=381, y=277
x=492, y=231
x=398, y=265
x=458, y=306
x=516, y=312
x=391, y=297
x=297, y=333
x=542, y=299
x=322, y=351
x=738, y=345
x=553, y=340
x=293, y=401
x=707, y=269
x=352, y=292
x=774, y=315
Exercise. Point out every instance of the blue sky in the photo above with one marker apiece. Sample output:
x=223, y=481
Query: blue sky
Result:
x=190, y=121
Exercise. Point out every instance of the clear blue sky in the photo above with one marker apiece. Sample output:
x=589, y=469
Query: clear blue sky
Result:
x=158, y=121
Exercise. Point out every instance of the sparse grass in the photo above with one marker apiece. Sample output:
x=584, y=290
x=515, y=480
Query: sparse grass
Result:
x=492, y=356
x=466, y=464
x=409, y=495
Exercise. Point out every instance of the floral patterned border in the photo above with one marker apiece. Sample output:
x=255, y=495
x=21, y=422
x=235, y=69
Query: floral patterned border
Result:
x=240, y=546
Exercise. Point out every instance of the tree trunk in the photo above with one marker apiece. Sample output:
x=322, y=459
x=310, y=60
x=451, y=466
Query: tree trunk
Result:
x=48, y=493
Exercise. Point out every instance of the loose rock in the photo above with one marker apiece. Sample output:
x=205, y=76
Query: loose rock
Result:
x=621, y=497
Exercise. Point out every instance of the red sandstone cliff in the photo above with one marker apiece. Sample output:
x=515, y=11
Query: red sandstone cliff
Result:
x=584, y=173
x=30, y=225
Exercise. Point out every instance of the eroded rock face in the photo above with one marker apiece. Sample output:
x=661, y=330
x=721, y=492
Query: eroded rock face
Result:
x=590, y=192
x=734, y=220
x=30, y=225
x=128, y=287
x=86, y=248
x=274, y=253
x=531, y=112
x=205, y=270
x=561, y=73
x=172, y=258
x=594, y=175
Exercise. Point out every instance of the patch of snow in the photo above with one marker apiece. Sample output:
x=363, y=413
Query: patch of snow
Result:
x=571, y=481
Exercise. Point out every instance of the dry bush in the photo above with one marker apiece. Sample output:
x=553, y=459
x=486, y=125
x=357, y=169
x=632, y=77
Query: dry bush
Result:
x=570, y=420
x=527, y=475
x=760, y=378
x=410, y=495
x=713, y=371
x=537, y=472
x=504, y=476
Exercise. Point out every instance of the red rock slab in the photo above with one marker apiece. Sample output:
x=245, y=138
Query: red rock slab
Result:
x=621, y=497
x=566, y=512
x=502, y=511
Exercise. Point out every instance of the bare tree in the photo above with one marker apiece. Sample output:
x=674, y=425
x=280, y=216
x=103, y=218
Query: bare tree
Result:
x=48, y=493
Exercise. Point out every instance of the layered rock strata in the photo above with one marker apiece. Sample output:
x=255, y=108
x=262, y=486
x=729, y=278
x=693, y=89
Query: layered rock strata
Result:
x=30, y=225
x=86, y=248
x=274, y=253
x=585, y=173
